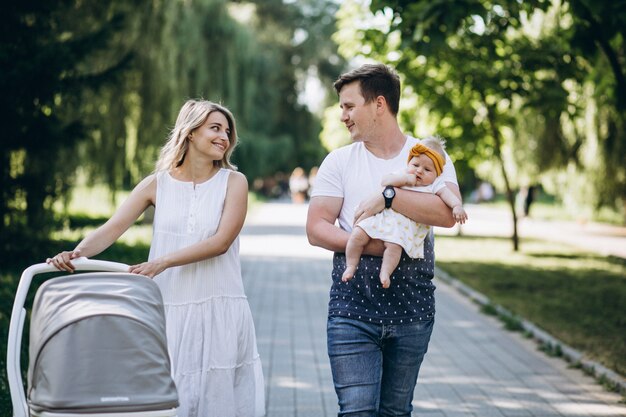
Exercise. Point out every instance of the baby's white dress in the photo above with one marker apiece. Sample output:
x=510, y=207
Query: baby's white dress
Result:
x=210, y=332
x=391, y=226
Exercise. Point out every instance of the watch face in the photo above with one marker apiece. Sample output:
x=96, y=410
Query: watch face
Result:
x=389, y=192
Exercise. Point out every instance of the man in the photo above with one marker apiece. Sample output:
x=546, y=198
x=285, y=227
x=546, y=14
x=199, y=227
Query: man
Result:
x=377, y=337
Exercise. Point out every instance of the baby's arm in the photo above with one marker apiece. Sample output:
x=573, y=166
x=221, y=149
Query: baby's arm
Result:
x=399, y=179
x=454, y=203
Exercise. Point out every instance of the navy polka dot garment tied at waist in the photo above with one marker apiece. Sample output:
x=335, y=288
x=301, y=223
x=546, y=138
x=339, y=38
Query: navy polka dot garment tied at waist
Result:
x=409, y=299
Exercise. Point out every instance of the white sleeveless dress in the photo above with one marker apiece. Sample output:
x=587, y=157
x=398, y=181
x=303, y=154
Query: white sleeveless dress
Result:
x=210, y=332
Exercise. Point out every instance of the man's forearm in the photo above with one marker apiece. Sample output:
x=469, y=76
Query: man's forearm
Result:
x=335, y=239
x=327, y=236
x=423, y=208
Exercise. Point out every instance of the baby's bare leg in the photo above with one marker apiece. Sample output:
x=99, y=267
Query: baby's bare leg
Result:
x=354, y=249
x=391, y=259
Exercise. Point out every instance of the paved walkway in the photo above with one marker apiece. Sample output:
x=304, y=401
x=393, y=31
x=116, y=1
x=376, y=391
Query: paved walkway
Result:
x=473, y=368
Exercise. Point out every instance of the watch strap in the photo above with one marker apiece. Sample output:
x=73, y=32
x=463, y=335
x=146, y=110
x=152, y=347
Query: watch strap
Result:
x=389, y=200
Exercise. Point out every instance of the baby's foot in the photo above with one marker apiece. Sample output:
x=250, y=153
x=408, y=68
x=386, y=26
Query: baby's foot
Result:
x=348, y=273
x=385, y=280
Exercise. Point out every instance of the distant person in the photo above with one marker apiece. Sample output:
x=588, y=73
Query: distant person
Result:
x=485, y=192
x=298, y=185
x=528, y=199
x=377, y=337
x=200, y=205
x=398, y=232
x=312, y=175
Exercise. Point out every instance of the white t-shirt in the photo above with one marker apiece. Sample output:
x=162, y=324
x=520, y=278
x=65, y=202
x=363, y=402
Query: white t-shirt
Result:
x=354, y=174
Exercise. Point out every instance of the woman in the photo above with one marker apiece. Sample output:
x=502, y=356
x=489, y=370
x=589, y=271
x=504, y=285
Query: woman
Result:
x=200, y=206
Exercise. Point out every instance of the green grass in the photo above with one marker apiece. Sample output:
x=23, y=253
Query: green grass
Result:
x=93, y=201
x=92, y=207
x=576, y=296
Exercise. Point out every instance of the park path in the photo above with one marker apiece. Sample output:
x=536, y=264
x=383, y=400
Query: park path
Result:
x=473, y=368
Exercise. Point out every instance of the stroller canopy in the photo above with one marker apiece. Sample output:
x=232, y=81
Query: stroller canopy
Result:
x=97, y=344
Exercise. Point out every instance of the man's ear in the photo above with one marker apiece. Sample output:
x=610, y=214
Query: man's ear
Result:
x=381, y=105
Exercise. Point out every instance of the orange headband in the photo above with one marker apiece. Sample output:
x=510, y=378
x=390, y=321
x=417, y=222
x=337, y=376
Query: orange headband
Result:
x=437, y=159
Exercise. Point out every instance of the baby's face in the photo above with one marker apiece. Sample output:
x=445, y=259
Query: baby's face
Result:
x=424, y=169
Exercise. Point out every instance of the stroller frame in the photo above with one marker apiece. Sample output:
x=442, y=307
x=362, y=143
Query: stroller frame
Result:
x=16, y=328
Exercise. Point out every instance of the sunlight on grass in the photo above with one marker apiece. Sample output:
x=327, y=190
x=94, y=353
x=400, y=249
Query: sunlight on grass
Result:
x=96, y=201
x=91, y=207
x=93, y=201
x=138, y=234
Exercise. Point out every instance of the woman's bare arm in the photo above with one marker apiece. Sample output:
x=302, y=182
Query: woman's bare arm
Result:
x=142, y=196
x=322, y=231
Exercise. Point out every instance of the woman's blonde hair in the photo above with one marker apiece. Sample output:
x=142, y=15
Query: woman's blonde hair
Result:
x=192, y=115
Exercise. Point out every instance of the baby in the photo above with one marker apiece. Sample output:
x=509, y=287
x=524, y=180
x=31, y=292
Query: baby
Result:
x=425, y=164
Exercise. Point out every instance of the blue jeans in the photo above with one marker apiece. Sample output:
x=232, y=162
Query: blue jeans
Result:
x=375, y=366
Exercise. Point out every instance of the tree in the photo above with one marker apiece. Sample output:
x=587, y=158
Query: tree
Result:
x=566, y=73
x=597, y=37
x=101, y=83
x=249, y=55
x=473, y=67
x=50, y=53
x=299, y=36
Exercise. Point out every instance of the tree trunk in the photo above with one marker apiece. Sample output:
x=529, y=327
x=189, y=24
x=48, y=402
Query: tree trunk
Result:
x=37, y=183
x=5, y=191
x=510, y=195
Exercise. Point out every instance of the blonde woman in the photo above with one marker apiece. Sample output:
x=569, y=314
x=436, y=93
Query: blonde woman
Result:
x=200, y=205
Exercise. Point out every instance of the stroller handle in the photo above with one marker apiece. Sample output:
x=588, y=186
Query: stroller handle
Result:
x=18, y=315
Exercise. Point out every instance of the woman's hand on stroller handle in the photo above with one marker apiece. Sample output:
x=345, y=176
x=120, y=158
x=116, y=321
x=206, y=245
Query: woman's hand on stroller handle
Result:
x=62, y=260
x=149, y=269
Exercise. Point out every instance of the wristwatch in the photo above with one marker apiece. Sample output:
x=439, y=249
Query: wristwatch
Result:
x=389, y=193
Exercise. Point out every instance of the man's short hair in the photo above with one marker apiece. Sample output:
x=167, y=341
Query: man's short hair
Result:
x=375, y=80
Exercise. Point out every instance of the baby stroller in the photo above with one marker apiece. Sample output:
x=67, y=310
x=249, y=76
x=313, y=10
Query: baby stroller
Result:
x=97, y=345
